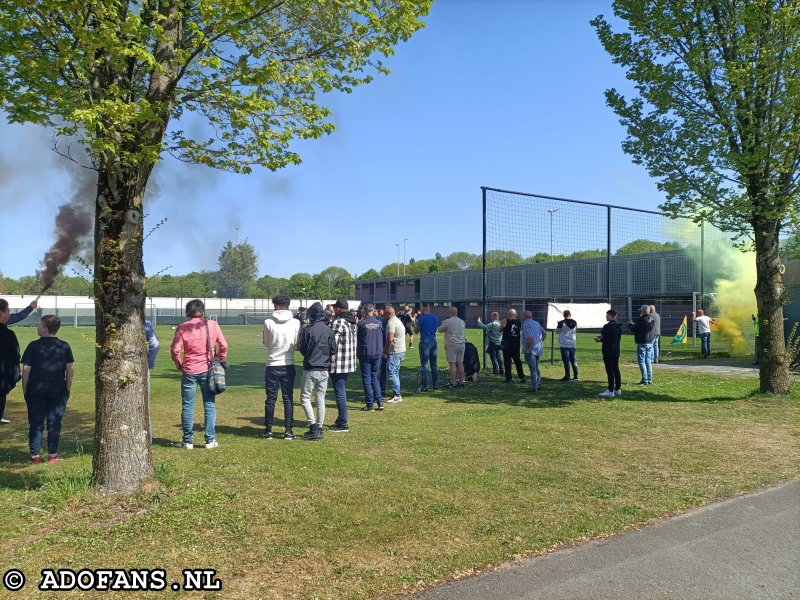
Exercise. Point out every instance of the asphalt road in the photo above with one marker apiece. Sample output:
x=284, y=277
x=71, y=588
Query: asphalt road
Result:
x=746, y=548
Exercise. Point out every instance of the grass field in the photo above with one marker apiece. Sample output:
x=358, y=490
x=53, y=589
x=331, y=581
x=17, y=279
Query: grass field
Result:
x=444, y=484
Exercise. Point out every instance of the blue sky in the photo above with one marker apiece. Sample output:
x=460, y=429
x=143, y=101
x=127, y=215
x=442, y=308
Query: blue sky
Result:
x=501, y=93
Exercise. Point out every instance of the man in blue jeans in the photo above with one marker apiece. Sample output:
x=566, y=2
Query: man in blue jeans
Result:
x=344, y=361
x=395, y=351
x=427, y=324
x=643, y=334
x=704, y=323
x=369, y=349
x=533, y=335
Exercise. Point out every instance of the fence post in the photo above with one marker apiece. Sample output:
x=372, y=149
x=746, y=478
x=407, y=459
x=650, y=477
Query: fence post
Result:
x=483, y=273
x=608, y=253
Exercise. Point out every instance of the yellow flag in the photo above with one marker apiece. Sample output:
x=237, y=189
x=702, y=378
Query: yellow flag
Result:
x=680, y=337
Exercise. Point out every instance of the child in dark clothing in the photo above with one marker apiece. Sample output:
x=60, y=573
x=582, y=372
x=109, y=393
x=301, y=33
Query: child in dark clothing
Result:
x=46, y=382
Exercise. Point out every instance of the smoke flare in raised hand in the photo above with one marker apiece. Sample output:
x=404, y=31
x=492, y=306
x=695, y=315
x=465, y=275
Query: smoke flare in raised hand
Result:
x=72, y=224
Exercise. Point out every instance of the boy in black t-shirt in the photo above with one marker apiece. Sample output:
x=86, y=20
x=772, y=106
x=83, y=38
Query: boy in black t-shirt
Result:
x=46, y=383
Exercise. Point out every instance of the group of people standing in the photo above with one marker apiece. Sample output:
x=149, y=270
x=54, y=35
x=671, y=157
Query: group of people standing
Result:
x=647, y=335
x=334, y=342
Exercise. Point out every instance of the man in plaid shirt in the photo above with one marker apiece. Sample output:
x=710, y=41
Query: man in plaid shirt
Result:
x=344, y=362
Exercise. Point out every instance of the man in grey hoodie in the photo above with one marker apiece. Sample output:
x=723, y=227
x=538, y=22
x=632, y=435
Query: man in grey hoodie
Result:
x=281, y=333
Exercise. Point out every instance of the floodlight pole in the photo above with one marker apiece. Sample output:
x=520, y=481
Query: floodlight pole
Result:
x=404, y=256
x=398, y=258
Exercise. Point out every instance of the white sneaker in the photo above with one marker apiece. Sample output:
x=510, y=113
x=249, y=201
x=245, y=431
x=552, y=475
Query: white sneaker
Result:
x=5, y=421
x=606, y=394
x=618, y=392
x=395, y=399
x=212, y=444
x=186, y=446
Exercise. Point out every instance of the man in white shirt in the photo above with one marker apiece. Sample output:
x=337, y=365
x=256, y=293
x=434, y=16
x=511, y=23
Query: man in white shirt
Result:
x=704, y=329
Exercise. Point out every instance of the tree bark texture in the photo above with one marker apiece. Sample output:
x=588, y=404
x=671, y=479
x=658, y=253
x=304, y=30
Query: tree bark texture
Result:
x=122, y=457
x=770, y=295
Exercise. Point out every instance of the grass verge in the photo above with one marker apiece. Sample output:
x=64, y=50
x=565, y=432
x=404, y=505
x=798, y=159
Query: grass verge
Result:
x=445, y=483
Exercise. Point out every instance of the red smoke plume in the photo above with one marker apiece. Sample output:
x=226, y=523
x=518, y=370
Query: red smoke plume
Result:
x=72, y=224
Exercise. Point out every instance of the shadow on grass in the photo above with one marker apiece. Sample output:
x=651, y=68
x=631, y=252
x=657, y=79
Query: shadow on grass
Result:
x=16, y=472
x=558, y=394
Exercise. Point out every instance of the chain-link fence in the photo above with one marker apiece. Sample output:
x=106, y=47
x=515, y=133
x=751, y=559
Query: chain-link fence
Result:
x=540, y=249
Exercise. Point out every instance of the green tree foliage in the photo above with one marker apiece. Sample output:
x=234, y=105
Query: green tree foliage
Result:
x=335, y=283
x=502, y=258
x=302, y=286
x=122, y=76
x=269, y=287
x=583, y=254
x=461, y=261
x=643, y=246
x=369, y=274
x=716, y=120
x=238, y=267
x=390, y=270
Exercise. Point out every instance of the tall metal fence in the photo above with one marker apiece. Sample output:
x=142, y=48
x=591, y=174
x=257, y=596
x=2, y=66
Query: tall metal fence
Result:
x=561, y=250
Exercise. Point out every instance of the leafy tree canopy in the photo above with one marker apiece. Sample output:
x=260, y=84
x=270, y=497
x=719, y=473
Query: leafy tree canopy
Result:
x=238, y=267
x=641, y=246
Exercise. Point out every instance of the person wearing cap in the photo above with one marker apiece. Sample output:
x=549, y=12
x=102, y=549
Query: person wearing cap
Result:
x=643, y=329
x=344, y=361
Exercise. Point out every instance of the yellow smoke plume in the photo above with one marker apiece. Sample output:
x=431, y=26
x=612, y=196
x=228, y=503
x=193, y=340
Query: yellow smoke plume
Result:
x=735, y=299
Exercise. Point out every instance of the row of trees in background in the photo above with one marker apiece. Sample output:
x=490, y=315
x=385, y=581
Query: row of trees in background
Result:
x=237, y=276
x=462, y=261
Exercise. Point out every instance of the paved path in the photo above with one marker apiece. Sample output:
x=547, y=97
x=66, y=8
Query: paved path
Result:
x=735, y=367
x=744, y=548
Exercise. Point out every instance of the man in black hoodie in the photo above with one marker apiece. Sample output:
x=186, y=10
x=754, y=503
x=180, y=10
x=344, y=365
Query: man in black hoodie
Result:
x=512, y=330
x=610, y=336
x=317, y=345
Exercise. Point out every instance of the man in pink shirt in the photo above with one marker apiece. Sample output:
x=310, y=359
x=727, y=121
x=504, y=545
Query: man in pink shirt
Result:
x=199, y=338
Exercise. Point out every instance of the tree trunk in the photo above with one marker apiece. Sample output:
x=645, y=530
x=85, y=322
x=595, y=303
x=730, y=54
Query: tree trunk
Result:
x=770, y=295
x=122, y=458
